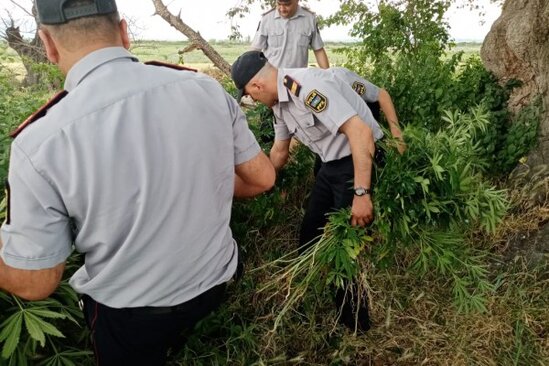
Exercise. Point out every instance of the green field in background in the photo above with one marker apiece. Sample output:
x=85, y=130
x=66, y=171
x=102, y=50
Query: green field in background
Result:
x=168, y=51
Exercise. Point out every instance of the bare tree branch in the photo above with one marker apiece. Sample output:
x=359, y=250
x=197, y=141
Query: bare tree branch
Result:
x=194, y=37
x=22, y=8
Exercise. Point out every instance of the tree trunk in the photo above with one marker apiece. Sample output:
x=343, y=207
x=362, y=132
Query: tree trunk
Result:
x=30, y=52
x=194, y=37
x=517, y=47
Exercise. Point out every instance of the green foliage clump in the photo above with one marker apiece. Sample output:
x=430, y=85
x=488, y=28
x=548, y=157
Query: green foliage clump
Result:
x=405, y=49
x=510, y=141
x=430, y=198
x=15, y=106
x=507, y=138
x=427, y=201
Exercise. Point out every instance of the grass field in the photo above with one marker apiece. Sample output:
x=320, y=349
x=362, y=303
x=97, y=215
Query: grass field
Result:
x=169, y=52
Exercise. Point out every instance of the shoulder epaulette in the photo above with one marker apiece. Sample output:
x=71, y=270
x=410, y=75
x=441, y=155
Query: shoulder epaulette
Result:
x=41, y=112
x=171, y=66
x=308, y=10
x=292, y=85
x=268, y=11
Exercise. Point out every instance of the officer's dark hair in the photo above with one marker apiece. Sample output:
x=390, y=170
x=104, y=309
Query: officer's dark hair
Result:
x=96, y=27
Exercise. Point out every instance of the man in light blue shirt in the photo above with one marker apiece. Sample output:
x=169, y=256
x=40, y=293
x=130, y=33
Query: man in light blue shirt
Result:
x=285, y=34
x=135, y=166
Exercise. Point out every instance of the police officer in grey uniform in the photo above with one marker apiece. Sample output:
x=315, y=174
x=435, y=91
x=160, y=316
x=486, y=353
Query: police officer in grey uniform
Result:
x=135, y=166
x=374, y=97
x=285, y=34
x=330, y=118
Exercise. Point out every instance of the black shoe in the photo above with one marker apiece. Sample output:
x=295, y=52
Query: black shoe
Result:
x=351, y=317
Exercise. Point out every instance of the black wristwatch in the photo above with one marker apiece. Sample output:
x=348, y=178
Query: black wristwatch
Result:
x=361, y=191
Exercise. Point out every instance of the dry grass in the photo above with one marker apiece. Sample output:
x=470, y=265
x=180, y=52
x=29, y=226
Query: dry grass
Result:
x=415, y=320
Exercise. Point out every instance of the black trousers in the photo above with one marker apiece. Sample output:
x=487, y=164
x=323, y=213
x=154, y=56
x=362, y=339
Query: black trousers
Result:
x=142, y=336
x=333, y=190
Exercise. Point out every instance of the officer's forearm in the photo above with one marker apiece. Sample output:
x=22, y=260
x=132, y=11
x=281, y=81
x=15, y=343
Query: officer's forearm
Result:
x=278, y=160
x=388, y=108
x=254, y=176
x=279, y=153
x=30, y=284
x=322, y=58
x=357, y=133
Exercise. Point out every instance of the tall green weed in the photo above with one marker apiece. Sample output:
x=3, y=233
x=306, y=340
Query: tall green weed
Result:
x=406, y=48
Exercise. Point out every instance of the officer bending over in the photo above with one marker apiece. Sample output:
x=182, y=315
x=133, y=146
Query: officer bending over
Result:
x=330, y=118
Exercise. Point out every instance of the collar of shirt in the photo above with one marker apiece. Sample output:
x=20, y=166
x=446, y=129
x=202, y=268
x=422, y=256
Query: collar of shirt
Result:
x=298, y=13
x=92, y=61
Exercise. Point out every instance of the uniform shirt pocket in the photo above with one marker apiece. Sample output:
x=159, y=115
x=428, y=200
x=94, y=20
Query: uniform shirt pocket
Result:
x=276, y=38
x=313, y=128
x=304, y=39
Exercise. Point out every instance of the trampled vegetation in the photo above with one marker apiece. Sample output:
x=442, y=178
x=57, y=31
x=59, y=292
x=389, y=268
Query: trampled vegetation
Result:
x=444, y=284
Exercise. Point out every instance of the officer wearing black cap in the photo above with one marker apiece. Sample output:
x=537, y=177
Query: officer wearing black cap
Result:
x=135, y=166
x=330, y=118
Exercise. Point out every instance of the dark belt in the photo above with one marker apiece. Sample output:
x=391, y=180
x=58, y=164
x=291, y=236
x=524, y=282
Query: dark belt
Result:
x=379, y=157
x=159, y=310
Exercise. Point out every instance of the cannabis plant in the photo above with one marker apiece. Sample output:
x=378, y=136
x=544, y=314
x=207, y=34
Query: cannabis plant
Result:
x=428, y=202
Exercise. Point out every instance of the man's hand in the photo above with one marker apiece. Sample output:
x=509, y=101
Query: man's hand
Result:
x=401, y=146
x=280, y=151
x=362, y=211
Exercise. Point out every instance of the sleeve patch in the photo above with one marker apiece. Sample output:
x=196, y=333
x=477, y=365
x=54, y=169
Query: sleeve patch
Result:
x=359, y=88
x=292, y=85
x=316, y=101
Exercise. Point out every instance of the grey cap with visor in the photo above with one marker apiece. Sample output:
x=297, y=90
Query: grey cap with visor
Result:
x=60, y=11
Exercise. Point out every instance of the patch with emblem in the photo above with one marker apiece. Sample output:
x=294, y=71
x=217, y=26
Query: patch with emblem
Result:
x=359, y=88
x=316, y=101
x=292, y=85
x=8, y=202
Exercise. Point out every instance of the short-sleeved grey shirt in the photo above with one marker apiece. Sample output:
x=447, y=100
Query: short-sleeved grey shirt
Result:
x=367, y=91
x=135, y=167
x=286, y=42
x=319, y=129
